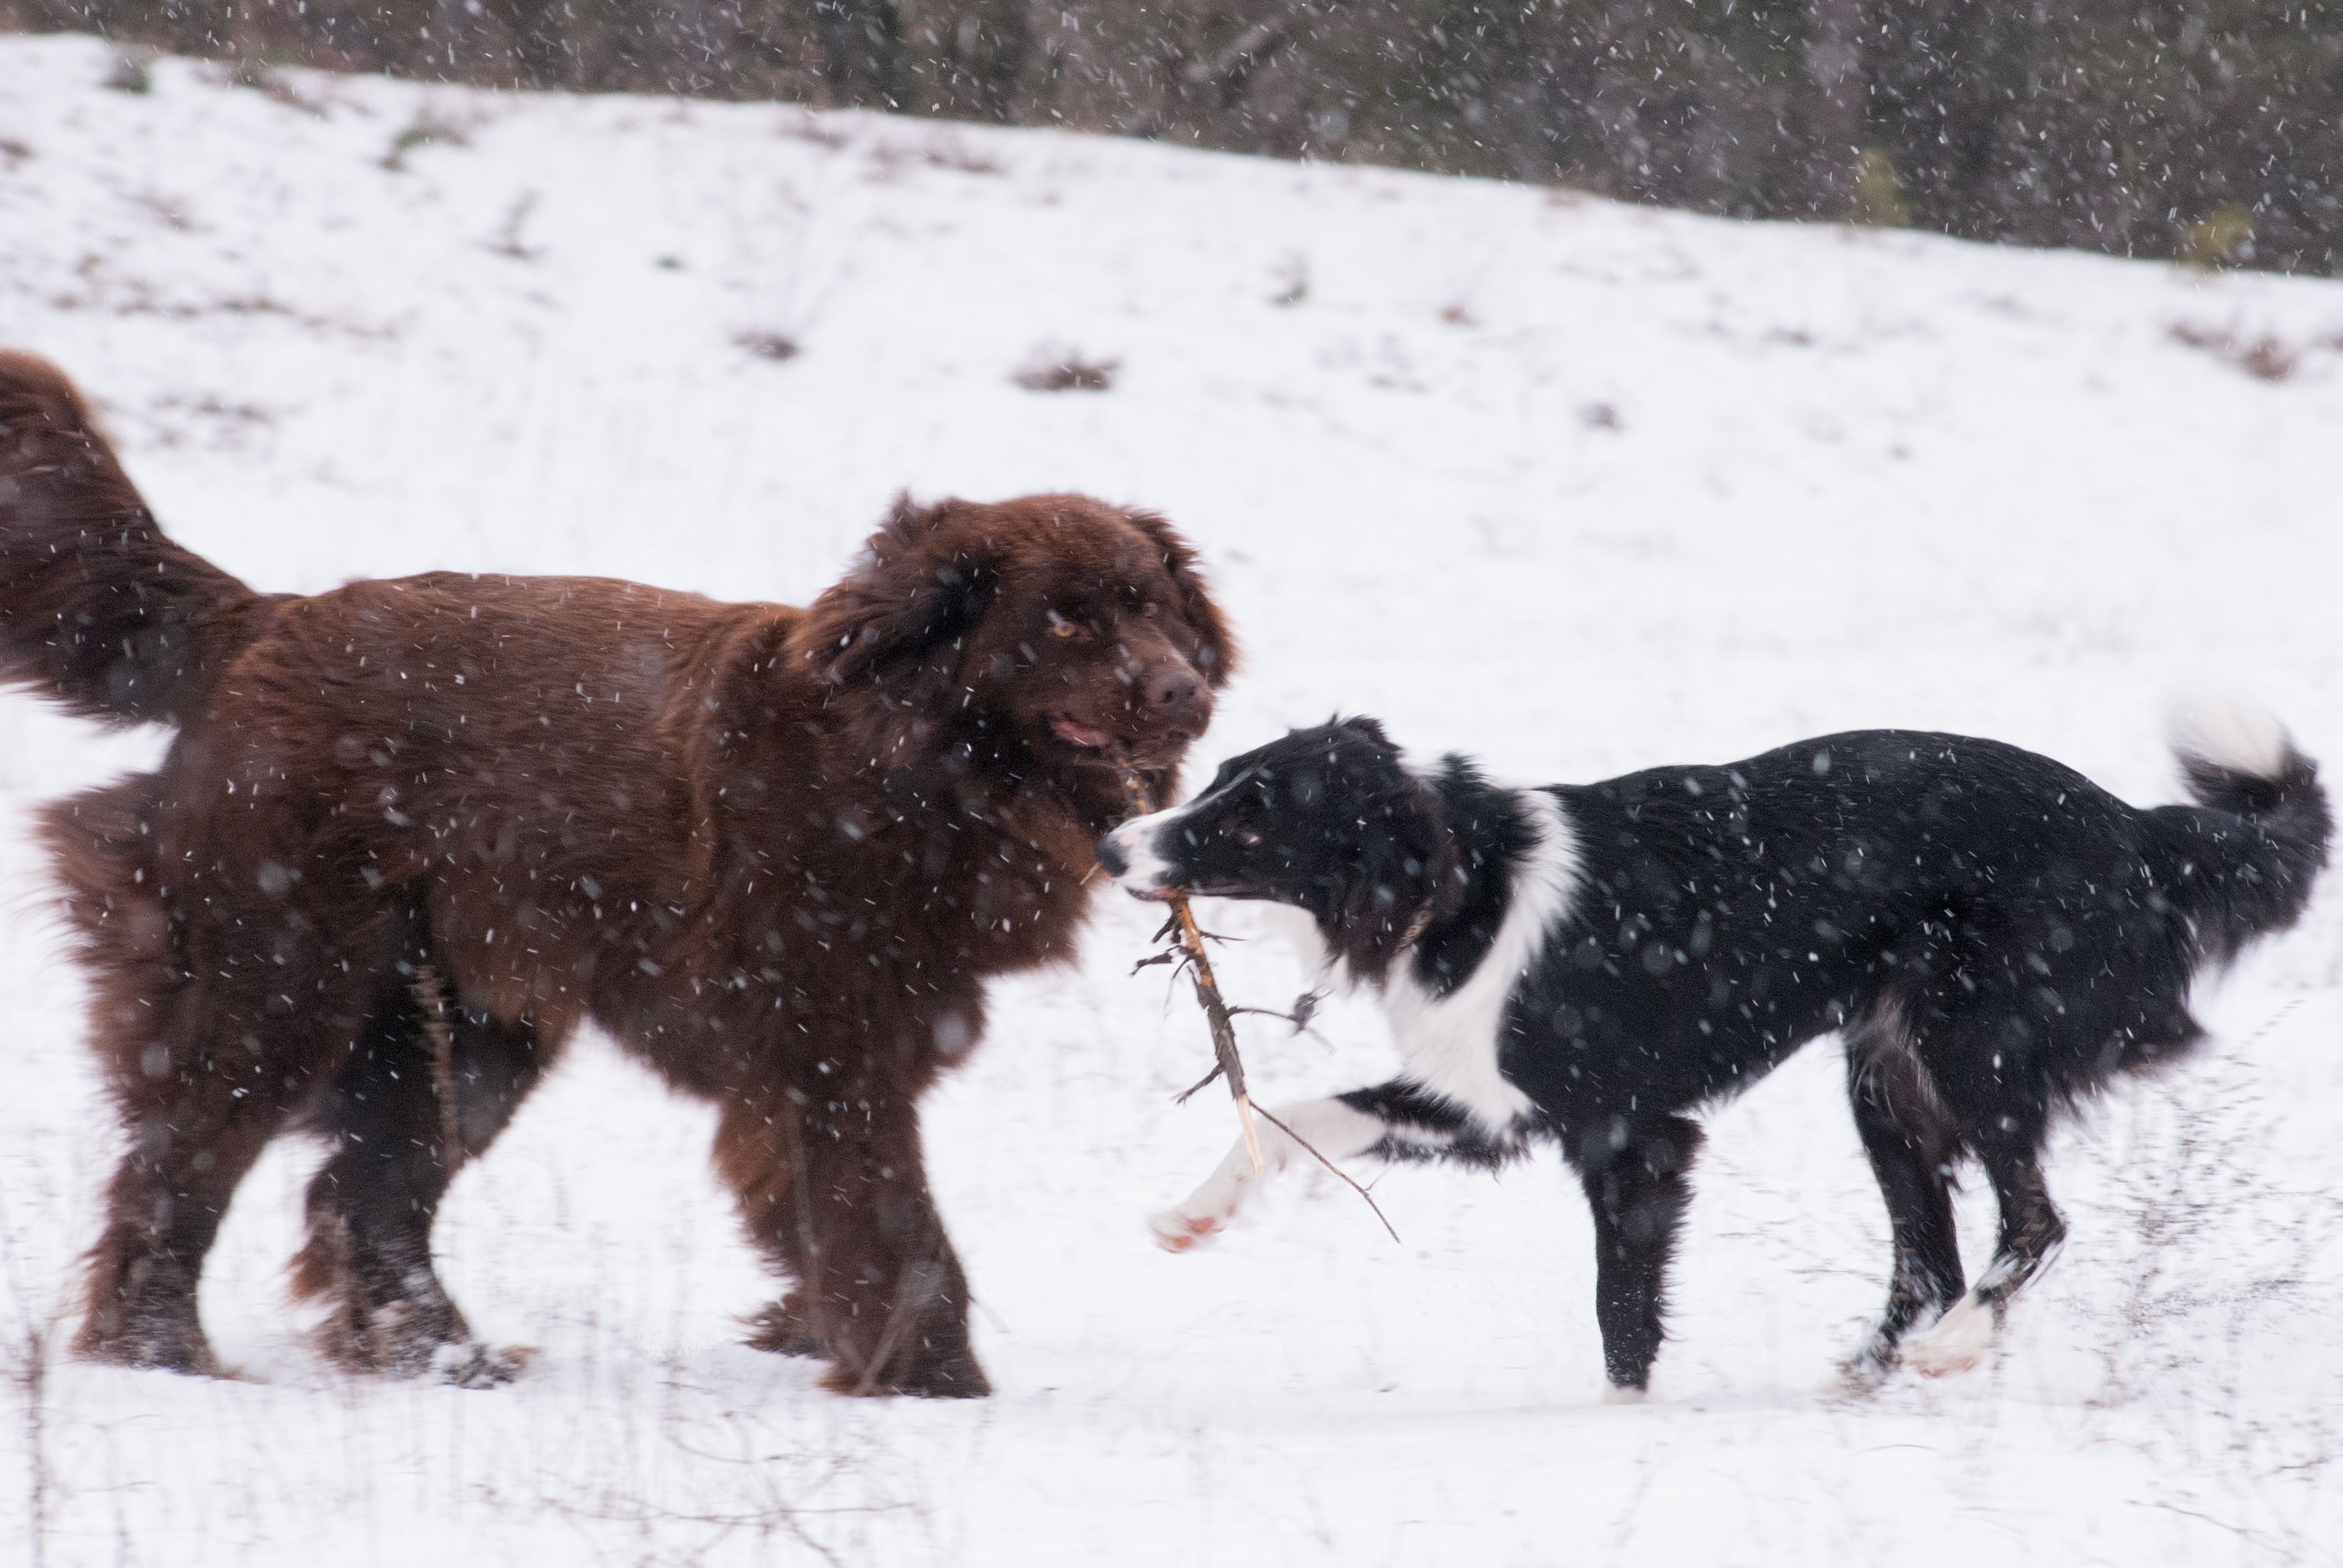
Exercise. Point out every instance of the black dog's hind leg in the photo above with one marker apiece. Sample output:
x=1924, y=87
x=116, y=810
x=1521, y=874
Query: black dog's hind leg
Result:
x=2031, y=1234
x=1999, y=1101
x=372, y=1205
x=1638, y=1183
x=1912, y=1146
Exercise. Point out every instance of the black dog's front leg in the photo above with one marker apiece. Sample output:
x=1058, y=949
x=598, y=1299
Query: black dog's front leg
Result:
x=1637, y=1180
x=1392, y=1120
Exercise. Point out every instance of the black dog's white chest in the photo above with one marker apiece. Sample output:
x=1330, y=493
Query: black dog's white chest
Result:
x=1449, y=1026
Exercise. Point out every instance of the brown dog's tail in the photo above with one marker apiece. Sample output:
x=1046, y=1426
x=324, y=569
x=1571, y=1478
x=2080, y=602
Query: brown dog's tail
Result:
x=98, y=608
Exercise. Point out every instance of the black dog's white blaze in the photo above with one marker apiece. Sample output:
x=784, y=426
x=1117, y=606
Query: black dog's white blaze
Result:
x=1994, y=935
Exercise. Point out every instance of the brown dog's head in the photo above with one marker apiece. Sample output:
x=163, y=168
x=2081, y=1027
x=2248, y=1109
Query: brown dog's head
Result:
x=1076, y=632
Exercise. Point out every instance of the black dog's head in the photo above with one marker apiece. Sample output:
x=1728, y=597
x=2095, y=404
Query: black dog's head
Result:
x=1329, y=820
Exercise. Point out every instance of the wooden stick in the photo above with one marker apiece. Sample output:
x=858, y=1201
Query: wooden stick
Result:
x=1207, y=990
x=1224, y=1031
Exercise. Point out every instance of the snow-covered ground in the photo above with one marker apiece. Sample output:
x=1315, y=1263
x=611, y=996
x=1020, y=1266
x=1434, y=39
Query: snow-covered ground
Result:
x=1574, y=486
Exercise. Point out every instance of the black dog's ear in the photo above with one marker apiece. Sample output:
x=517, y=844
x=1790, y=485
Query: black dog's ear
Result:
x=1401, y=873
x=922, y=583
x=1216, y=645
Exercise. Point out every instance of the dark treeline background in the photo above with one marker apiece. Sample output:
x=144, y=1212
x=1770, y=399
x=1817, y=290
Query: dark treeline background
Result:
x=2206, y=129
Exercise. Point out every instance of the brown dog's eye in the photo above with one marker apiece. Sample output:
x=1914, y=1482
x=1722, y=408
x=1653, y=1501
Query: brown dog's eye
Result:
x=1060, y=626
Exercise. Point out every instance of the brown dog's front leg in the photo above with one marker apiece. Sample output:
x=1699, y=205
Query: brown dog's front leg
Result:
x=837, y=1193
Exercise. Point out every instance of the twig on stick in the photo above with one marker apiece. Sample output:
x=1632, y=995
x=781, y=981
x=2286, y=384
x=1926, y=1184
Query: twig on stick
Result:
x=1270, y=1116
x=1305, y=1010
x=1181, y=927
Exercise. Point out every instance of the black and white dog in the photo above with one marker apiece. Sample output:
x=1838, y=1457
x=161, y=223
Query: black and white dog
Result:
x=1992, y=935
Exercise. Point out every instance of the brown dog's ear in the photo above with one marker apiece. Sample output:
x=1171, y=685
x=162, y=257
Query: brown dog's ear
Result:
x=1216, y=651
x=919, y=585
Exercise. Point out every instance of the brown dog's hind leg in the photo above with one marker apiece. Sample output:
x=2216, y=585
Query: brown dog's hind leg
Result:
x=841, y=1205
x=198, y=1070
x=204, y=1077
x=191, y=1142
x=372, y=1206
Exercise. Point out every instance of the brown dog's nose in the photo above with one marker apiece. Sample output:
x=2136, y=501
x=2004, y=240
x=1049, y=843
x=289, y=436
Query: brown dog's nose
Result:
x=1175, y=695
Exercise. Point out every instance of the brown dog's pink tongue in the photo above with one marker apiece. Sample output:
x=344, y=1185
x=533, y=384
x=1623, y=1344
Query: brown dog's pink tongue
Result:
x=1078, y=734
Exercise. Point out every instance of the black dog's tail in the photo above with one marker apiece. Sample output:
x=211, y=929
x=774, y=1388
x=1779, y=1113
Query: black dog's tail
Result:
x=98, y=608
x=2249, y=852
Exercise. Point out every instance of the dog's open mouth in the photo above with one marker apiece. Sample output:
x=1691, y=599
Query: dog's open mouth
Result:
x=1074, y=732
x=1152, y=750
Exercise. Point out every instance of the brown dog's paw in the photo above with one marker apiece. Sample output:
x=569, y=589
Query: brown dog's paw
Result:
x=162, y=1347
x=781, y=1329
x=929, y=1371
x=150, y=1322
x=471, y=1365
x=964, y=1380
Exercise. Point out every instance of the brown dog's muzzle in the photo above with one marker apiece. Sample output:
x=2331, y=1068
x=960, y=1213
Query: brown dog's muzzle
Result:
x=1178, y=698
x=1175, y=705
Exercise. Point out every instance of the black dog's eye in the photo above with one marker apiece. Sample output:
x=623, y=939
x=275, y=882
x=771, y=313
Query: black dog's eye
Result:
x=1249, y=839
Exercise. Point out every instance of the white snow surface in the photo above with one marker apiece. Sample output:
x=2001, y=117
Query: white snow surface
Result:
x=1574, y=486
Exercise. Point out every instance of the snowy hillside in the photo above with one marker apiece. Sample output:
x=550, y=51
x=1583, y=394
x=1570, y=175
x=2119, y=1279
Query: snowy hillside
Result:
x=1574, y=486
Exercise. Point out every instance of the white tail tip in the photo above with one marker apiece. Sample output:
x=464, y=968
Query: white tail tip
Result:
x=2231, y=732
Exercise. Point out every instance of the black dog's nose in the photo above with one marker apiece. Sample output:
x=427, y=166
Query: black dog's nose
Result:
x=1110, y=858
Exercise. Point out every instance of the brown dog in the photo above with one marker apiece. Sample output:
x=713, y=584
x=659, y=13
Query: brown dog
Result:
x=411, y=834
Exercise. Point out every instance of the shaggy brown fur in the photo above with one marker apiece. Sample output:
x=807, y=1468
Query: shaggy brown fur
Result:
x=773, y=852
